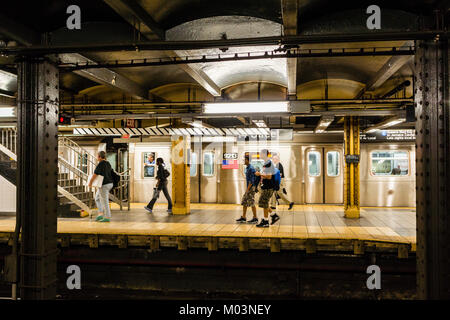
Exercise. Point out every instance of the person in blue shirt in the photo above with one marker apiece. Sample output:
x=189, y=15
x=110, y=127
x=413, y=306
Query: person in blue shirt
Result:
x=248, y=199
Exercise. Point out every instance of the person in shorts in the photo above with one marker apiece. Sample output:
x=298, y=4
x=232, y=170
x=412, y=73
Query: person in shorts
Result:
x=280, y=195
x=267, y=189
x=248, y=199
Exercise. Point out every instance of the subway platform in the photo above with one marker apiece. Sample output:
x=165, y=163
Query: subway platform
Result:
x=212, y=226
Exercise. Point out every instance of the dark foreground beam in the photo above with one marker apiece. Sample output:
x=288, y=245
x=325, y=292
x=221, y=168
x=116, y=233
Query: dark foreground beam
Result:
x=37, y=127
x=161, y=45
x=433, y=169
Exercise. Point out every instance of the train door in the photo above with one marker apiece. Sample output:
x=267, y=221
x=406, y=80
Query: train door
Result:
x=209, y=175
x=122, y=156
x=323, y=176
x=194, y=166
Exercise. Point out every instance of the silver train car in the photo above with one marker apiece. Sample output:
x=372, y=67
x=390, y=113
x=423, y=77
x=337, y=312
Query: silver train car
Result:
x=313, y=166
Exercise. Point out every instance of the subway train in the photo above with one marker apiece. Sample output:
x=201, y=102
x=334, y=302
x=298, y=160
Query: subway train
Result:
x=313, y=166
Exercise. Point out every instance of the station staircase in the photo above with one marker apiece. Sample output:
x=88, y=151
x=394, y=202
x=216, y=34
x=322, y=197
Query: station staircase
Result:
x=75, y=166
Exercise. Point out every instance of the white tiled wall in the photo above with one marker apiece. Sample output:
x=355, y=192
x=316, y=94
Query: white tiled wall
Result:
x=7, y=196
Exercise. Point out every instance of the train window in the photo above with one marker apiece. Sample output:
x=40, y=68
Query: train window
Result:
x=332, y=163
x=193, y=164
x=255, y=161
x=83, y=162
x=257, y=164
x=390, y=163
x=208, y=164
x=314, y=163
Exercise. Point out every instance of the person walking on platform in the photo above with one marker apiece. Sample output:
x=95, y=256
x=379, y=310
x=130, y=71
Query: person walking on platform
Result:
x=102, y=196
x=161, y=176
x=267, y=189
x=248, y=200
x=282, y=193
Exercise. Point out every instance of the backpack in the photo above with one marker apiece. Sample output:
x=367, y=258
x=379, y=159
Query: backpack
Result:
x=116, y=178
x=276, y=180
x=166, y=173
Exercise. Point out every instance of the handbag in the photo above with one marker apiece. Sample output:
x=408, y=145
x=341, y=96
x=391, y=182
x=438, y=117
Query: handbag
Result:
x=155, y=193
x=98, y=181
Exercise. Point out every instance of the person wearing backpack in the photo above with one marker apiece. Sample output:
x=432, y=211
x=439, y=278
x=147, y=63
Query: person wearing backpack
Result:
x=161, y=176
x=281, y=193
x=268, y=184
x=102, y=196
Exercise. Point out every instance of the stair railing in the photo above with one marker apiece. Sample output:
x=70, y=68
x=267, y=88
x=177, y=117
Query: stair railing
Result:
x=121, y=194
x=76, y=155
x=8, y=142
x=86, y=163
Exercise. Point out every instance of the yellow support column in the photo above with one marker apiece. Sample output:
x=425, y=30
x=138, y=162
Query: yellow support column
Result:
x=181, y=182
x=351, y=172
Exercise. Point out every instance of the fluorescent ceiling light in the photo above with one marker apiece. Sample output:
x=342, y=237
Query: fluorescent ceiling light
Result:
x=7, y=112
x=247, y=107
x=260, y=123
x=324, y=122
x=197, y=124
x=385, y=124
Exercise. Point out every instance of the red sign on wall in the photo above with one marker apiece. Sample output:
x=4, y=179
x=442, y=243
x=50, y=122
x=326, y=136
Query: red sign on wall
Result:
x=131, y=123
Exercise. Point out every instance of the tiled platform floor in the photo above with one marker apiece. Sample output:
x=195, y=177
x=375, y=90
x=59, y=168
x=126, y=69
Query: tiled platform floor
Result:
x=218, y=220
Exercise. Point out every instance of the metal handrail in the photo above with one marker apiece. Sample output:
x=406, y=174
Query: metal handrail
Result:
x=8, y=139
x=73, y=165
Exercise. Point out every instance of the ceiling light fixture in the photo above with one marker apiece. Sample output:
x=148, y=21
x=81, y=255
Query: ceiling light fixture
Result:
x=246, y=107
x=7, y=112
x=385, y=124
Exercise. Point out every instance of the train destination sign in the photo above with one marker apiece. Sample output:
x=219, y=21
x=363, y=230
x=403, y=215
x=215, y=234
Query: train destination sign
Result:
x=388, y=135
x=230, y=155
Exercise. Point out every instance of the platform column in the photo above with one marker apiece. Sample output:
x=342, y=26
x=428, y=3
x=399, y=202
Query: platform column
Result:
x=37, y=154
x=432, y=106
x=351, y=170
x=181, y=180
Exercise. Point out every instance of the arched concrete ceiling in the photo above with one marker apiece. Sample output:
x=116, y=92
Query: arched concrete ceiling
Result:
x=255, y=90
x=337, y=89
x=227, y=73
x=175, y=12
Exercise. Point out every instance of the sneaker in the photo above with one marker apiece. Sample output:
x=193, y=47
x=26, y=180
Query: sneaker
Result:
x=291, y=205
x=99, y=218
x=254, y=220
x=263, y=224
x=104, y=220
x=169, y=211
x=148, y=209
x=275, y=218
x=241, y=220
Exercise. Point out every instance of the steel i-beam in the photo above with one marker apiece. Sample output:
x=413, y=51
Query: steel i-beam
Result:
x=432, y=169
x=37, y=121
x=351, y=170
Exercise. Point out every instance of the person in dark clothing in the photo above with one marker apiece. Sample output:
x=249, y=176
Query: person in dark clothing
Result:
x=161, y=177
x=282, y=193
x=102, y=196
x=267, y=189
